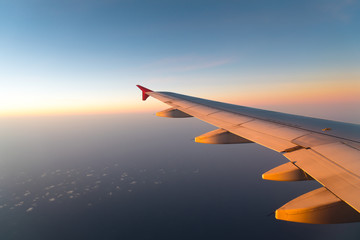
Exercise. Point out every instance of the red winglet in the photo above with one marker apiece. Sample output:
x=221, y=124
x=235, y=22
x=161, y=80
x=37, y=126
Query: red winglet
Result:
x=144, y=91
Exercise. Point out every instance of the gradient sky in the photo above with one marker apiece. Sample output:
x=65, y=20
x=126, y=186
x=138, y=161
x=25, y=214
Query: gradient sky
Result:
x=86, y=56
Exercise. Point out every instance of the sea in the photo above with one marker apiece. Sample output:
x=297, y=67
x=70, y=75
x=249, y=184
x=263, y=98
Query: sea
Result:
x=138, y=177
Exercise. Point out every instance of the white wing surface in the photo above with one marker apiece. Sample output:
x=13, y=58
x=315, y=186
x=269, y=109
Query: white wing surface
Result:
x=324, y=150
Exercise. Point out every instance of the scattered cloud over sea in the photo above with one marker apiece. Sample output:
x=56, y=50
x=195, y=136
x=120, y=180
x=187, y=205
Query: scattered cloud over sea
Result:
x=58, y=186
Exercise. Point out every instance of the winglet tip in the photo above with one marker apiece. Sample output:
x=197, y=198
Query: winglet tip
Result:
x=144, y=91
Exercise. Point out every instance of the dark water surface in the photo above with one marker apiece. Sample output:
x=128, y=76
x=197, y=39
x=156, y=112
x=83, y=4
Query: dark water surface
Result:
x=140, y=177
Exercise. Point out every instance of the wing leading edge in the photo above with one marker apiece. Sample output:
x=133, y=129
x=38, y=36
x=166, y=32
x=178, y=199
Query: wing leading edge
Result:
x=324, y=150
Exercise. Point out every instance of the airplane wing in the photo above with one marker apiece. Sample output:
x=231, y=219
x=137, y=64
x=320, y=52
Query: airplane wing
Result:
x=322, y=150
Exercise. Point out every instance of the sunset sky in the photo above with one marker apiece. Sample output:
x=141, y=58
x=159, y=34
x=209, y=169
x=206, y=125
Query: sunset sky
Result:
x=83, y=157
x=86, y=56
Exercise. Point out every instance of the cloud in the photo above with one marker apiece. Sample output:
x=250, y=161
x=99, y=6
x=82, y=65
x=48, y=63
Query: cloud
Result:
x=29, y=209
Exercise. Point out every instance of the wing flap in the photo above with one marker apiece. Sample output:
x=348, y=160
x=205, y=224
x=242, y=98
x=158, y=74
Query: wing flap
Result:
x=274, y=143
x=341, y=154
x=314, y=139
x=274, y=129
x=232, y=118
x=340, y=181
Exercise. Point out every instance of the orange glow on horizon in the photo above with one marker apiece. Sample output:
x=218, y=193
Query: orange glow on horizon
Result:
x=250, y=95
x=82, y=110
x=295, y=93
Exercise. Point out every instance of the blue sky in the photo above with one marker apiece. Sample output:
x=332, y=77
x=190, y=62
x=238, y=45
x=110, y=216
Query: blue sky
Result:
x=87, y=56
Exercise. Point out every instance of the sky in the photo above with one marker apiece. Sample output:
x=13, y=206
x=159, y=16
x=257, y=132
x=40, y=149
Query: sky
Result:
x=85, y=57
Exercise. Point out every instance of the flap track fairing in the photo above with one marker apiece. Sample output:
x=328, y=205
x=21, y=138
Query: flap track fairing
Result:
x=220, y=136
x=286, y=172
x=172, y=113
x=317, y=207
